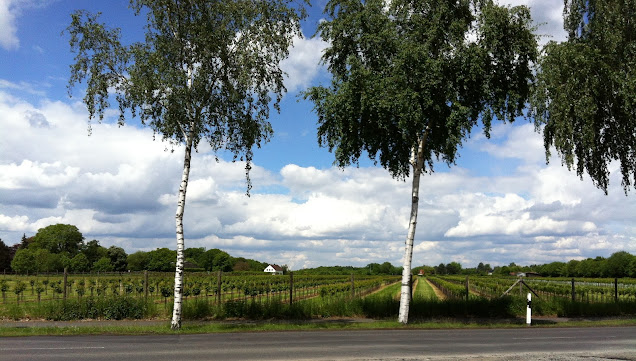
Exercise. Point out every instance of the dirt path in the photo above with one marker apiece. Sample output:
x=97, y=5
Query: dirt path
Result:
x=440, y=295
x=380, y=289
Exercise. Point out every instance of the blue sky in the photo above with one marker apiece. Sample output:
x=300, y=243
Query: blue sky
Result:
x=501, y=203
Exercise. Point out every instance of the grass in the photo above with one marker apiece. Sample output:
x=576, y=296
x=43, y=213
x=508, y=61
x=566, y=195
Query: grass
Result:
x=424, y=290
x=197, y=327
x=260, y=315
x=379, y=305
x=391, y=290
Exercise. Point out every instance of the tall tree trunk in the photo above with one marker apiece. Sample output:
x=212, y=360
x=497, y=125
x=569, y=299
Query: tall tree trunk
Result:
x=417, y=162
x=178, y=274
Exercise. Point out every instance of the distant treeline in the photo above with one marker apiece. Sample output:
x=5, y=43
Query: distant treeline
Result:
x=620, y=264
x=385, y=268
x=61, y=246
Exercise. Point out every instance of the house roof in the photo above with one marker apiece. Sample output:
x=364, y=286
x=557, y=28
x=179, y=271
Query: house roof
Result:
x=276, y=267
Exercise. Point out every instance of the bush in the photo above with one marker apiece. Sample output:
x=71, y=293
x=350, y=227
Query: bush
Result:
x=567, y=308
x=198, y=310
x=113, y=308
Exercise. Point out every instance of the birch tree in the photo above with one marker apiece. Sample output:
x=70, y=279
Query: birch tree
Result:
x=585, y=99
x=207, y=71
x=411, y=79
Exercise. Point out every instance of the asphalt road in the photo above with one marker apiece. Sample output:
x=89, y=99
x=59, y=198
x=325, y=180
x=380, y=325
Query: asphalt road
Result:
x=589, y=344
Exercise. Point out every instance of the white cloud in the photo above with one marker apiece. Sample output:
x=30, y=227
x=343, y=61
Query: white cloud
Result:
x=521, y=142
x=8, y=14
x=303, y=63
x=296, y=260
x=14, y=224
x=547, y=15
x=120, y=187
x=10, y=11
x=26, y=87
x=29, y=174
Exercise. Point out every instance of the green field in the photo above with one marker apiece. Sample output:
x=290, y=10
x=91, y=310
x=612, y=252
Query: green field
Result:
x=257, y=296
x=424, y=290
x=38, y=296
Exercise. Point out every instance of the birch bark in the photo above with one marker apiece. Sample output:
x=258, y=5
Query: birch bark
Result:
x=417, y=162
x=178, y=275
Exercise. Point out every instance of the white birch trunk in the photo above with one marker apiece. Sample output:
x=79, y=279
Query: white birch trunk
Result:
x=178, y=274
x=417, y=162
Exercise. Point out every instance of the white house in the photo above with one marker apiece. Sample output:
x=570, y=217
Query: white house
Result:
x=274, y=269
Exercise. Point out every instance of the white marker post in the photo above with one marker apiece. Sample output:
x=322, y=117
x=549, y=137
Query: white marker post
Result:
x=529, y=310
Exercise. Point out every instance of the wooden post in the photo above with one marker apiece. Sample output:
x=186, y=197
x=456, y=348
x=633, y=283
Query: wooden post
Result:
x=291, y=287
x=573, y=291
x=353, y=287
x=146, y=284
x=615, y=289
x=467, y=288
x=218, y=287
x=65, y=281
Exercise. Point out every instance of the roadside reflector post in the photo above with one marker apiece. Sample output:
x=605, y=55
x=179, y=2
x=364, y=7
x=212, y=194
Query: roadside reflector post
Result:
x=529, y=310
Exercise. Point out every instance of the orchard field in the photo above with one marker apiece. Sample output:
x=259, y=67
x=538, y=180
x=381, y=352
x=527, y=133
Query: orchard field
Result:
x=216, y=295
x=149, y=294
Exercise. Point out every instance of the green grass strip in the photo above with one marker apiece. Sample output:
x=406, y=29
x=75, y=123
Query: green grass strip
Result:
x=424, y=290
x=198, y=327
x=392, y=290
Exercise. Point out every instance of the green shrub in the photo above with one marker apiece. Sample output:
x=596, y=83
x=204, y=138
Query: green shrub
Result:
x=14, y=312
x=113, y=308
x=568, y=308
x=198, y=310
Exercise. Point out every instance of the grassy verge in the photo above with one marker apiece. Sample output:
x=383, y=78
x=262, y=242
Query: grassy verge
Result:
x=224, y=327
x=381, y=305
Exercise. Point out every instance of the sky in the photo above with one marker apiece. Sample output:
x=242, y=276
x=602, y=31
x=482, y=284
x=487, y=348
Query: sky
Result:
x=500, y=203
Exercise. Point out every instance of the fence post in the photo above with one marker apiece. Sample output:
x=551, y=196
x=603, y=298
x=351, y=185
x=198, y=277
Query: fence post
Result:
x=353, y=287
x=65, y=280
x=573, y=291
x=218, y=287
x=291, y=287
x=615, y=289
x=146, y=284
x=467, y=288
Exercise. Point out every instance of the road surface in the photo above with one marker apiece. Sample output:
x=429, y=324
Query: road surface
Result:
x=585, y=344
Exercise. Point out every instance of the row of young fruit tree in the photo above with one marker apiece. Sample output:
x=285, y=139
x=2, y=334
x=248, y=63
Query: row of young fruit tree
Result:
x=213, y=287
x=577, y=289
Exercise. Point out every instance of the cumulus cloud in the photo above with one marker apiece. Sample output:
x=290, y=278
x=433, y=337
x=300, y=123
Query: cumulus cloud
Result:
x=303, y=63
x=120, y=186
x=30, y=174
x=10, y=11
x=520, y=142
x=8, y=14
x=547, y=16
x=16, y=223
